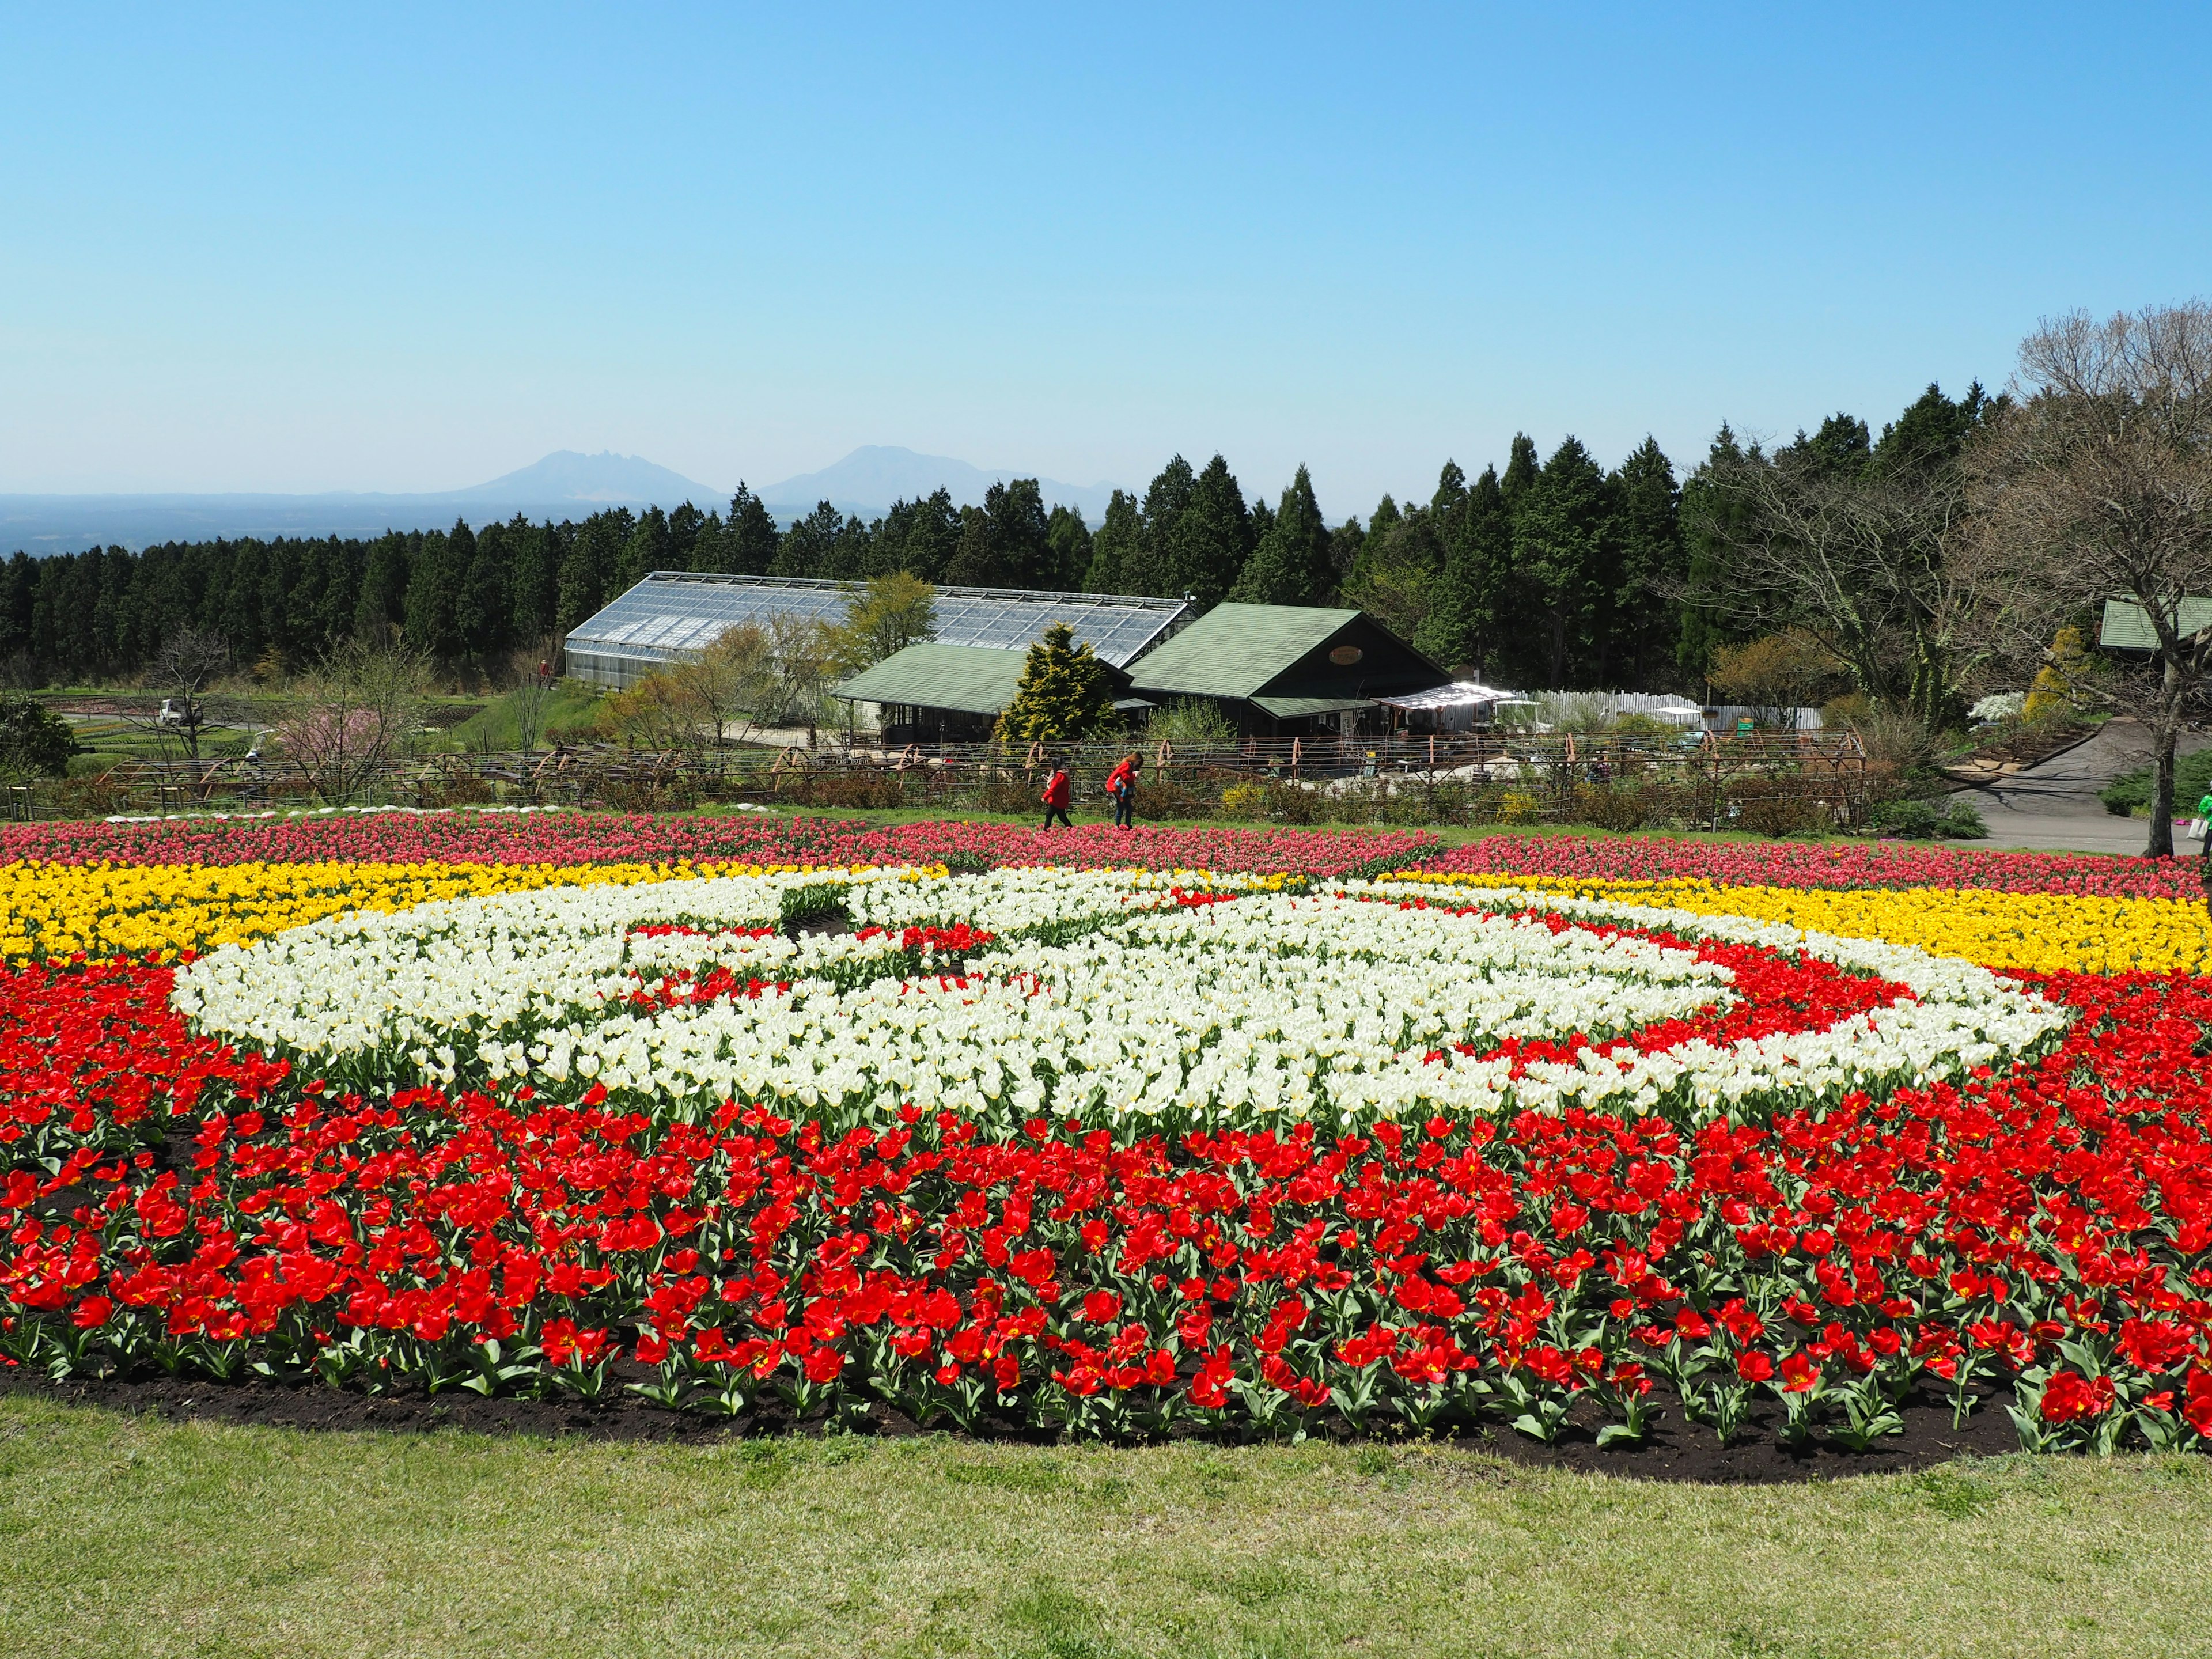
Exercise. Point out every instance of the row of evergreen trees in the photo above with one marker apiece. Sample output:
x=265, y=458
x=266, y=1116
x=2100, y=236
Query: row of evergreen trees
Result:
x=1551, y=572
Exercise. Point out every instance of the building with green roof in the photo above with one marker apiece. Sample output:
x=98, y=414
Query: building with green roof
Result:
x=1281, y=671
x=943, y=693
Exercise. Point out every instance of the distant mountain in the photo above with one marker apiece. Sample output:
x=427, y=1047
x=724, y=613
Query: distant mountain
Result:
x=874, y=476
x=569, y=475
x=564, y=485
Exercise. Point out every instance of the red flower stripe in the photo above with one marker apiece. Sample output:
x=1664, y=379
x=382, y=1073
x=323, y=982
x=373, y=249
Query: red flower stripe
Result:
x=2044, y=1227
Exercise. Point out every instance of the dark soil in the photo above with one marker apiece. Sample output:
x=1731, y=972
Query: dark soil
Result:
x=1674, y=1449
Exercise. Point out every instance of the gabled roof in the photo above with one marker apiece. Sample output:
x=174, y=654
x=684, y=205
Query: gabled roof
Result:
x=1234, y=650
x=673, y=612
x=971, y=679
x=2127, y=628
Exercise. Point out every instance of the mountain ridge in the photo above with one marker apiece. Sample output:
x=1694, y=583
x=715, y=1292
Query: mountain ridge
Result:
x=565, y=484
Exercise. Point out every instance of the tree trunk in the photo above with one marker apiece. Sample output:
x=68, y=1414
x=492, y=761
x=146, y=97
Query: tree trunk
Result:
x=2165, y=731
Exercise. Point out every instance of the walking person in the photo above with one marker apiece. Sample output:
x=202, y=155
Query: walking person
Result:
x=1122, y=785
x=1058, y=791
x=2204, y=858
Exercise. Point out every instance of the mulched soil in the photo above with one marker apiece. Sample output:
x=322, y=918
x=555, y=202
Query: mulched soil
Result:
x=1674, y=1450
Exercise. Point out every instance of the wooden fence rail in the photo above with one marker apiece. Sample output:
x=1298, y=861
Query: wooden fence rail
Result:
x=1766, y=781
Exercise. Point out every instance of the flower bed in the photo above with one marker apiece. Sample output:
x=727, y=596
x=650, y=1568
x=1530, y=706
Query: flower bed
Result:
x=579, y=838
x=1110, y=995
x=1113, y=1152
x=1840, y=866
x=2043, y=932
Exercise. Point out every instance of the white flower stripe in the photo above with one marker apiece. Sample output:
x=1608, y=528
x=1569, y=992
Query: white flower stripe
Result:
x=1100, y=997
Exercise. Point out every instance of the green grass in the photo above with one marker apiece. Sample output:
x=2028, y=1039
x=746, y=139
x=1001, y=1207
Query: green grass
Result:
x=569, y=713
x=128, y=1536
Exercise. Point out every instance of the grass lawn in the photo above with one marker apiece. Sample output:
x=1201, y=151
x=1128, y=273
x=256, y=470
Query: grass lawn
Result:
x=132, y=1536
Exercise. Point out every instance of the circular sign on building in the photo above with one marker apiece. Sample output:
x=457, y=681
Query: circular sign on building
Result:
x=1344, y=655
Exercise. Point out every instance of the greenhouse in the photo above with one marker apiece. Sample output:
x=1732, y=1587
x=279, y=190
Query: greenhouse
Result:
x=672, y=614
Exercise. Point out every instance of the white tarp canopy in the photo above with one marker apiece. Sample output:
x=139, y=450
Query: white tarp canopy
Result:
x=1454, y=708
x=1460, y=694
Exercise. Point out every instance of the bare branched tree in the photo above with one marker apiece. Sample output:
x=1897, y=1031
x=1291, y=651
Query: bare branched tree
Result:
x=353, y=716
x=722, y=695
x=1853, y=553
x=189, y=661
x=533, y=690
x=2096, y=484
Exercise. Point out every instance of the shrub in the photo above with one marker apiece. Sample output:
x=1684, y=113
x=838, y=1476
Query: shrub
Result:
x=1192, y=723
x=1519, y=807
x=34, y=741
x=1609, y=808
x=2129, y=794
x=1920, y=820
x=1244, y=800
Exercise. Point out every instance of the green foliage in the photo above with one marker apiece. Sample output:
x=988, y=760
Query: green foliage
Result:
x=1562, y=560
x=566, y=712
x=34, y=741
x=1214, y=537
x=1067, y=547
x=1065, y=692
x=1192, y=723
x=2130, y=794
x=1289, y=563
x=882, y=618
x=1151, y=565
x=1918, y=820
x=1115, y=544
x=818, y=902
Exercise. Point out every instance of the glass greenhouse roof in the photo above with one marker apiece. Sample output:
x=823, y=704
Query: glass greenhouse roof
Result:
x=672, y=612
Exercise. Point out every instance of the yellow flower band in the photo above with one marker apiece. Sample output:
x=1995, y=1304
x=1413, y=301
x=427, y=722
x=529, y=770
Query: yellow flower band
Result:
x=2038, y=932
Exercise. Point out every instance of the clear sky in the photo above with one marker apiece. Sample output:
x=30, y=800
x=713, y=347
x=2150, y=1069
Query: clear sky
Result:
x=411, y=249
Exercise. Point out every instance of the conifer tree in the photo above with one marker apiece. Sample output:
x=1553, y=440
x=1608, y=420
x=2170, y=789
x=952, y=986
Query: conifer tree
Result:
x=1153, y=566
x=1115, y=546
x=480, y=609
x=1066, y=693
x=1381, y=524
x=749, y=537
x=1561, y=551
x=533, y=579
x=1213, y=537
x=1291, y=565
x=1020, y=534
x=647, y=550
x=434, y=577
x=1713, y=519
x=918, y=537
x=975, y=556
x=808, y=548
x=1067, y=540
x=685, y=524
x=1521, y=467
x=1648, y=531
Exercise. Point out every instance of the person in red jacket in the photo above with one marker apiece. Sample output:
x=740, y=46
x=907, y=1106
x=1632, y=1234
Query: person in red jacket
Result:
x=1058, y=791
x=1122, y=785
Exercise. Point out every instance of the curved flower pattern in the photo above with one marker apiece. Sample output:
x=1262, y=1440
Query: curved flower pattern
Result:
x=1112, y=993
x=1109, y=1151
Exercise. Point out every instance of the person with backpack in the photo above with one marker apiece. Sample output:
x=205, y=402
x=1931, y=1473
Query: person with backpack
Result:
x=1122, y=785
x=1058, y=791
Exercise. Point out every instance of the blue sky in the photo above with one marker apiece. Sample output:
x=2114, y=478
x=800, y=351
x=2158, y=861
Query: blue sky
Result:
x=401, y=249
